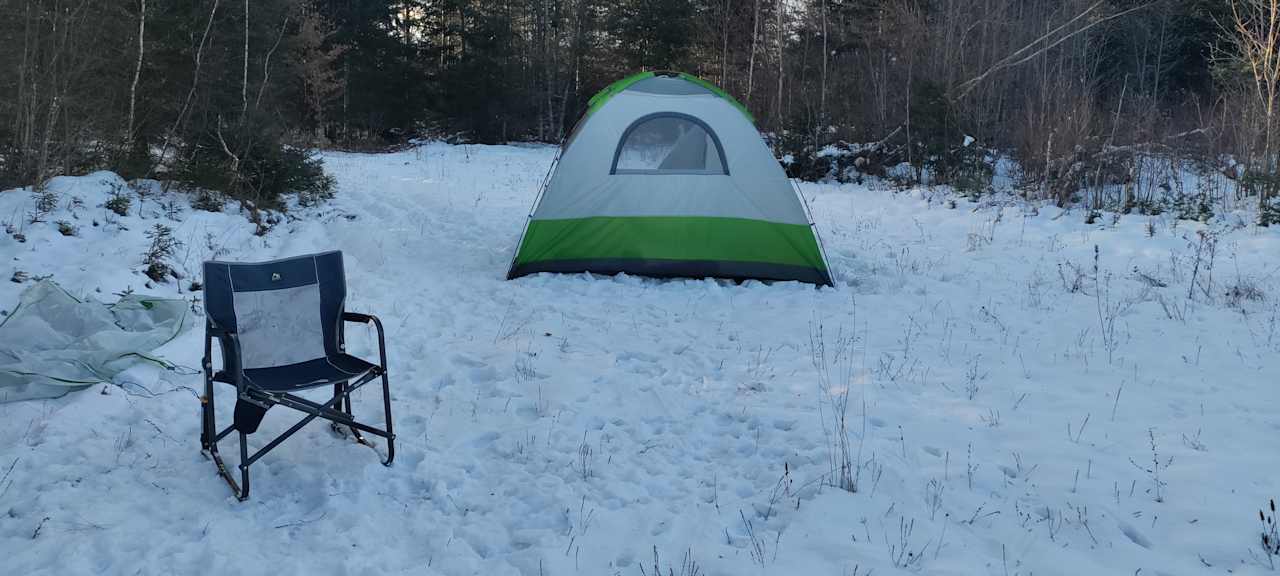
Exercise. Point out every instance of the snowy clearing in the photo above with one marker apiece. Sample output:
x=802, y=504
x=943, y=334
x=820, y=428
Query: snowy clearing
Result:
x=1010, y=408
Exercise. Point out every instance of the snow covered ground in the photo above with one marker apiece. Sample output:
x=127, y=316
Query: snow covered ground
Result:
x=1008, y=409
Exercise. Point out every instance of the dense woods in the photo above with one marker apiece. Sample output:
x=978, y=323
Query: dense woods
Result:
x=230, y=94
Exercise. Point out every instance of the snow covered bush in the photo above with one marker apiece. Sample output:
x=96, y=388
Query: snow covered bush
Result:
x=264, y=176
x=1270, y=213
x=46, y=201
x=119, y=203
x=163, y=245
x=1197, y=207
x=841, y=161
x=1242, y=291
x=207, y=200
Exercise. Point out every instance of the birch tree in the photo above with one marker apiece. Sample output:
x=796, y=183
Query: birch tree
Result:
x=1254, y=32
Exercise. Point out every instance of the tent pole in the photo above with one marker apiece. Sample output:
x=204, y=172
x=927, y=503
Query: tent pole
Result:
x=542, y=189
x=808, y=214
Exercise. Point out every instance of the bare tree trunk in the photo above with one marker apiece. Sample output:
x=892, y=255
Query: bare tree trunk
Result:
x=553, y=66
x=822, y=93
x=779, y=106
x=541, y=60
x=195, y=82
x=266, y=63
x=346, y=86
x=724, y=47
x=571, y=82
x=24, y=117
x=751, y=65
x=137, y=73
x=244, y=82
x=910, y=143
x=58, y=81
x=1164, y=21
x=50, y=119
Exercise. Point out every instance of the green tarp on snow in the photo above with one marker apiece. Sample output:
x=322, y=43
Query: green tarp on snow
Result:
x=54, y=343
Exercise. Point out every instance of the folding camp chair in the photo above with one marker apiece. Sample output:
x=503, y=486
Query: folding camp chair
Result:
x=280, y=328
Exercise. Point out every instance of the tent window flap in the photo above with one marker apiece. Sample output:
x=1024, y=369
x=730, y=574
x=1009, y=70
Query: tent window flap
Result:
x=669, y=143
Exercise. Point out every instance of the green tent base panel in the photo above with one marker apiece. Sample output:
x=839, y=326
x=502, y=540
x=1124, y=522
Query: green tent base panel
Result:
x=666, y=175
x=697, y=269
x=676, y=238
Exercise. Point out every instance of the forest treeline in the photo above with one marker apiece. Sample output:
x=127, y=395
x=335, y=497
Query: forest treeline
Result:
x=230, y=95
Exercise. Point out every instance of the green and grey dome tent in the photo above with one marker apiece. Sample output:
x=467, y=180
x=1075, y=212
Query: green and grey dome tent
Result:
x=666, y=175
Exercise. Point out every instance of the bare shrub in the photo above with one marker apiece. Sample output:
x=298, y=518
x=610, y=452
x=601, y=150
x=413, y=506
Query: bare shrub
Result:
x=1270, y=535
x=843, y=469
x=901, y=552
x=1205, y=249
x=1157, y=466
x=759, y=547
x=688, y=566
x=1243, y=291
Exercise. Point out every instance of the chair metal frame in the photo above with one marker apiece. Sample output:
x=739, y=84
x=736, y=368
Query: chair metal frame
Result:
x=337, y=410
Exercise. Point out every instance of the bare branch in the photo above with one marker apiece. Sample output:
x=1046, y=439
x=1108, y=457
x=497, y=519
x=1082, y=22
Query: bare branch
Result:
x=266, y=63
x=1030, y=51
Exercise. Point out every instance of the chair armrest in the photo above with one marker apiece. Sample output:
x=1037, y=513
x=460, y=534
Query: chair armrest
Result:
x=229, y=342
x=359, y=318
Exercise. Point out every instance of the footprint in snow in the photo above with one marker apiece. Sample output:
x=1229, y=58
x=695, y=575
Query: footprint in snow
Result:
x=483, y=374
x=1134, y=535
x=785, y=425
x=462, y=360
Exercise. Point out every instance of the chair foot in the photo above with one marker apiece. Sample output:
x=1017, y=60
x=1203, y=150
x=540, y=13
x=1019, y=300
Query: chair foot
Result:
x=241, y=495
x=347, y=431
x=391, y=451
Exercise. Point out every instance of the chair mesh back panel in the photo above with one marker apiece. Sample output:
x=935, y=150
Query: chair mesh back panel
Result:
x=284, y=312
x=279, y=327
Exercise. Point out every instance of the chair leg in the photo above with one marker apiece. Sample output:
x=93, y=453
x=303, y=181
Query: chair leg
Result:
x=346, y=407
x=343, y=404
x=209, y=440
x=207, y=428
x=386, y=405
x=337, y=395
x=244, y=467
x=206, y=415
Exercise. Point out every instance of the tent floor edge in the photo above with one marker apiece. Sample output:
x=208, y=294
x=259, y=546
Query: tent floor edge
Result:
x=692, y=269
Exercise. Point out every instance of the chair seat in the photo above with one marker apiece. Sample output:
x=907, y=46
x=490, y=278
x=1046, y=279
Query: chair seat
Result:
x=319, y=372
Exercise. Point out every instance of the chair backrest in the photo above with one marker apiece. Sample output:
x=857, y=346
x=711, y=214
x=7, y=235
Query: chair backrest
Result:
x=284, y=311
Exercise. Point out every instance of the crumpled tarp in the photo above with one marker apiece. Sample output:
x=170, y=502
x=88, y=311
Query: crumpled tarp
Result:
x=54, y=343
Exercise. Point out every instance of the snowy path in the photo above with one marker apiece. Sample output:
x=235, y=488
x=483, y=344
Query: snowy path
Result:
x=570, y=424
